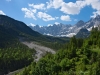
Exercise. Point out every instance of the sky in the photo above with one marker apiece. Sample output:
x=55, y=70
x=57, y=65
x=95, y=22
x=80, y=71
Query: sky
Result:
x=47, y=12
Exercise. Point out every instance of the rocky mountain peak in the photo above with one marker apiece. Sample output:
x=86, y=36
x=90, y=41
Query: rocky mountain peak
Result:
x=97, y=18
x=80, y=23
x=64, y=30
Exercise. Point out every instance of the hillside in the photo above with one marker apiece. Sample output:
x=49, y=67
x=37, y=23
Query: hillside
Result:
x=49, y=37
x=12, y=29
x=78, y=57
x=15, y=55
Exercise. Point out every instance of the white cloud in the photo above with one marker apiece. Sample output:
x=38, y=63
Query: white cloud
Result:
x=68, y=8
x=54, y=3
x=45, y=16
x=33, y=10
x=8, y=0
x=2, y=13
x=95, y=4
x=95, y=14
x=38, y=6
x=72, y=8
x=31, y=24
x=65, y=18
x=57, y=23
x=29, y=13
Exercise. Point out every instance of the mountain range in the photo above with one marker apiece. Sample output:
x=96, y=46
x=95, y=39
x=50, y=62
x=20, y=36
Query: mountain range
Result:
x=67, y=30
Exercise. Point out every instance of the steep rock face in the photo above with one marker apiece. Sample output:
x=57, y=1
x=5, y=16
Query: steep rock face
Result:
x=92, y=22
x=83, y=33
x=52, y=30
x=62, y=30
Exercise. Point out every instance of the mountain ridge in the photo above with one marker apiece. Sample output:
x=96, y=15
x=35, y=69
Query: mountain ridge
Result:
x=13, y=54
x=11, y=29
x=67, y=30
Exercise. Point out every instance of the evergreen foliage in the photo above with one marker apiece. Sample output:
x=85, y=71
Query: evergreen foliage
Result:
x=14, y=57
x=79, y=57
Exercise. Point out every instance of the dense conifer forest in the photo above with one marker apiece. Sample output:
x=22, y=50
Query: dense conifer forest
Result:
x=15, y=56
x=78, y=57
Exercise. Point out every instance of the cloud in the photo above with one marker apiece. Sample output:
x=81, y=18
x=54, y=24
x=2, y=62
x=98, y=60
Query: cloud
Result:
x=95, y=4
x=95, y=14
x=8, y=0
x=65, y=18
x=38, y=6
x=29, y=13
x=72, y=8
x=45, y=16
x=31, y=24
x=2, y=13
x=54, y=4
x=67, y=8
x=75, y=8
x=57, y=23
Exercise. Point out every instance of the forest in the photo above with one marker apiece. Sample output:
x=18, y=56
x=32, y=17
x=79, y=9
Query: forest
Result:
x=15, y=57
x=13, y=54
x=78, y=57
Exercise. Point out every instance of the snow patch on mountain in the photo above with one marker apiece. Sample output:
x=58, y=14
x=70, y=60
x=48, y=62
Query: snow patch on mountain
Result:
x=71, y=34
x=66, y=30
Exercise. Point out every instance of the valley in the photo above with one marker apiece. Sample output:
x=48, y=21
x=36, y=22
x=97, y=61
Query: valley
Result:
x=49, y=37
x=24, y=51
